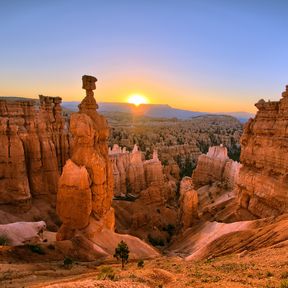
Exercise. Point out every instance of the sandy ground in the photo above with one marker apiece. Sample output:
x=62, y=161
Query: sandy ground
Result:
x=263, y=268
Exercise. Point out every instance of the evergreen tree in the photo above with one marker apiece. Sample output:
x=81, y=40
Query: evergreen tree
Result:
x=122, y=253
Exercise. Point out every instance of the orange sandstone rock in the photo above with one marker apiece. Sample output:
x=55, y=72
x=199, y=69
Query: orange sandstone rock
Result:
x=35, y=146
x=86, y=184
x=263, y=185
x=188, y=203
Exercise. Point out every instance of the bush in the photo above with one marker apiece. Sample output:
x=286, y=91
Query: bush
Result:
x=67, y=262
x=284, y=275
x=4, y=240
x=36, y=249
x=155, y=241
x=140, y=263
x=107, y=273
x=284, y=284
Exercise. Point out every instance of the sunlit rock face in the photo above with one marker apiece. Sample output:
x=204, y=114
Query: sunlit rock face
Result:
x=86, y=184
x=151, y=208
x=215, y=166
x=263, y=181
x=86, y=190
x=34, y=147
x=188, y=203
x=132, y=174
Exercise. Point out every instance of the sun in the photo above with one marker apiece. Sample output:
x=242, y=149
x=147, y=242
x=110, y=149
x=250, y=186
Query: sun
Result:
x=137, y=100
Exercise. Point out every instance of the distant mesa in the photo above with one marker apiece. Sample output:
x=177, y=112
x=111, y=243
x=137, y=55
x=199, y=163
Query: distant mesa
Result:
x=156, y=110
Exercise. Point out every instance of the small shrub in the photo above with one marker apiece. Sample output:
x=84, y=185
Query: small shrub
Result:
x=107, y=273
x=140, y=263
x=155, y=241
x=269, y=274
x=67, y=262
x=284, y=275
x=36, y=249
x=284, y=284
x=170, y=229
x=4, y=240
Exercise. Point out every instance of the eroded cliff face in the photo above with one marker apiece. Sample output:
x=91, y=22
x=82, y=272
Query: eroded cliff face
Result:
x=35, y=146
x=263, y=182
x=188, y=212
x=215, y=166
x=132, y=174
x=152, y=208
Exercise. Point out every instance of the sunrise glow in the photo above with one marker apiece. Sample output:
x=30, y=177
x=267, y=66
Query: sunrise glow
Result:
x=137, y=100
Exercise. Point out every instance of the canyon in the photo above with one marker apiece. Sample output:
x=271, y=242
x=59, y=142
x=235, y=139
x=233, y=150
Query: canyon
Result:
x=166, y=188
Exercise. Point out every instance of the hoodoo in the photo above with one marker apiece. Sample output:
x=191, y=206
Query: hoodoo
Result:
x=86, y=184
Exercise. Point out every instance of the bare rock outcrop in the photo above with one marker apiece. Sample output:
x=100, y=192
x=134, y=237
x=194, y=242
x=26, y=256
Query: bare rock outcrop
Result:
x=20, y=233
x=188, y=203
x=215, y=166
x=215, y=180
x=263, y=183
x=132, y=174
x=150, y=210
x=35, y=146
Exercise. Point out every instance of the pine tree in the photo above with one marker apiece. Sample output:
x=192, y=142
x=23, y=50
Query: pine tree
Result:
x=122, y=253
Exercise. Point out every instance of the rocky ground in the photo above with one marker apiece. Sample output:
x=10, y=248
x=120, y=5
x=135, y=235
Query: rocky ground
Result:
x=266, y=267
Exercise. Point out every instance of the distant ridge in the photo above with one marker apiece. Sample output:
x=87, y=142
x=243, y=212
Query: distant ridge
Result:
x=156, y=110
x=149, y=110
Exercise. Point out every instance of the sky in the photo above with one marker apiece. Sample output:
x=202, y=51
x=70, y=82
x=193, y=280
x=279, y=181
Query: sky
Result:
x=201, y=55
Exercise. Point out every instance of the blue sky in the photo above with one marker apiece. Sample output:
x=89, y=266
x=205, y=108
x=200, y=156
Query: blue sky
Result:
x=208, y=55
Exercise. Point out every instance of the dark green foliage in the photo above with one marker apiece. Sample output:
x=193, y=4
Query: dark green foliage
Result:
x=186, y=165
x=67, y=262
x=284, y=275
x=122, y=253
x=164, y=162
x=170, y=229
x=155, y=241
x=107, y=273
x=128, y=187
x=140, y=263
x=36, y=249
x=4, y=240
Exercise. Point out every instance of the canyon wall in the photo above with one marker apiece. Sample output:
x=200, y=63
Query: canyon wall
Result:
x=263, y=180
x=35, y=146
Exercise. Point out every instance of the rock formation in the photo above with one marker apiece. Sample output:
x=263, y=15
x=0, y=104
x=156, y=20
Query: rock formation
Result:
x=151, y=210
x=86, y=189
x=86, y=184
x=215, y=166
x=132, y=174
x=263, y=182
x=35, y=146
x=20, y=233
x=215, y=180
x=188, y=203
